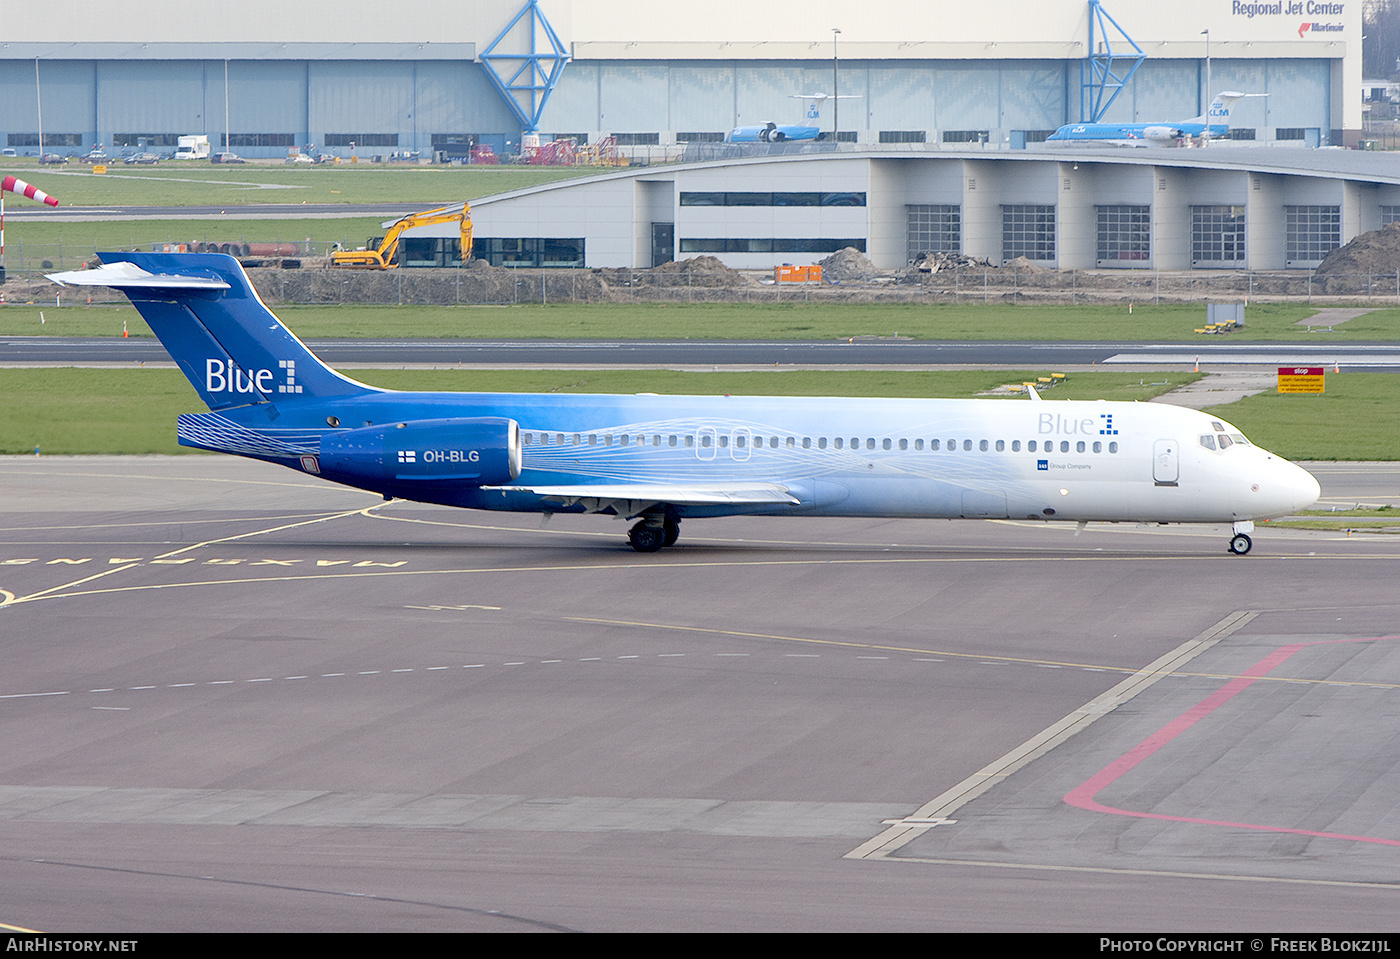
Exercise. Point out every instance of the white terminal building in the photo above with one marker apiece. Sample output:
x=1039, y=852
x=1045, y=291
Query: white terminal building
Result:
x=937, y=144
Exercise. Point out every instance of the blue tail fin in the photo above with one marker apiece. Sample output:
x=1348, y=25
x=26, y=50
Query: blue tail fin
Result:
x=211, y=320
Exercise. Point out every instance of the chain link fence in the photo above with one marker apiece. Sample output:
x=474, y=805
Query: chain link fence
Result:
x=481, y=285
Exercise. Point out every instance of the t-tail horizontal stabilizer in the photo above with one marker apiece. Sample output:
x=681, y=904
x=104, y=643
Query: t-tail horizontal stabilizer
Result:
x=210, y=319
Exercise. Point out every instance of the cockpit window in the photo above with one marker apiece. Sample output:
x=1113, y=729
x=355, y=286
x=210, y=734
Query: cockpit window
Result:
x=1225, y=441
x=1239, y=438
x=1218, y=426
x=1208, y=441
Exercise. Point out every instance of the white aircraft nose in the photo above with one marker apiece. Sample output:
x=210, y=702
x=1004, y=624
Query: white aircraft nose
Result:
x=1288, y=488
x=1304, y=487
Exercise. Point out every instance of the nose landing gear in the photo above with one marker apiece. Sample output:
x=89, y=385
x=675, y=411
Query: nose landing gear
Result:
x=1240, y=543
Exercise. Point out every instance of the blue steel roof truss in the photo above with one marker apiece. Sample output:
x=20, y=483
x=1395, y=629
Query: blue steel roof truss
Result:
x=528, y=88
x=1098, y=82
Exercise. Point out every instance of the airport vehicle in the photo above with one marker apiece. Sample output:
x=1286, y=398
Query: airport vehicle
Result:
x=193, y=147
x=1215, y=123
x=226, y=158
x=661, y=459
x=382, y=252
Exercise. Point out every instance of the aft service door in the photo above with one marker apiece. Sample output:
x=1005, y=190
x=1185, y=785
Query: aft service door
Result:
x=1164, y=462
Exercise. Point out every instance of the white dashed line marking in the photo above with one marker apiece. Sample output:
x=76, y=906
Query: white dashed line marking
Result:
x=849, y=656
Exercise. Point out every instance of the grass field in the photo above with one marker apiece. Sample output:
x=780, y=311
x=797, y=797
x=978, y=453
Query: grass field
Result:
x=1358, y=418
x=70, y=411
x=190, y=183
x=68, y=245
x=133, y=411
x=720, y=321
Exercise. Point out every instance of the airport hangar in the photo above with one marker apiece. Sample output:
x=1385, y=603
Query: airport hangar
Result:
x=263, y=76
x=1222, y=207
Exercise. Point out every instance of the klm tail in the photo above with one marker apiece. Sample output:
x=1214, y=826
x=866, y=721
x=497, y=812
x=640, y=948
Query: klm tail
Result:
x=211, y=321
x=1221, y=107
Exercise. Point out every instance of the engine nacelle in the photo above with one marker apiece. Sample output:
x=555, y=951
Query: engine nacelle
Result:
x=1162, y=133
x=481, y=451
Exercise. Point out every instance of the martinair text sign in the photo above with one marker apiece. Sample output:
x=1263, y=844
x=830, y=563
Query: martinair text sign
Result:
x=1300, y=379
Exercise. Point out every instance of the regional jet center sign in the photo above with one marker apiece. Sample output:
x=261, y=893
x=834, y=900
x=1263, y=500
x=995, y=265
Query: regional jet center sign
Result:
x=1308, y=10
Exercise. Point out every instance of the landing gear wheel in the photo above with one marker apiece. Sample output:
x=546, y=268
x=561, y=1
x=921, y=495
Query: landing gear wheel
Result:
x=672, y=529
x=1241, y=544
x=645, y=538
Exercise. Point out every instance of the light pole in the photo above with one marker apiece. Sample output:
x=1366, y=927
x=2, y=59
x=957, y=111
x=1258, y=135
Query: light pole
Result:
x=835, y=87
x=1208, y=93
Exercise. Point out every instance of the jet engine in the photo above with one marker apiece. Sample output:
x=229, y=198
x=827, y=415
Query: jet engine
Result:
x=479, y=451
x=1162, y=133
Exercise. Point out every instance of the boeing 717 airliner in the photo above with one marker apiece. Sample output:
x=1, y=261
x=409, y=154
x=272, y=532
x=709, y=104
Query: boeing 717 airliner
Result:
x=661, y=459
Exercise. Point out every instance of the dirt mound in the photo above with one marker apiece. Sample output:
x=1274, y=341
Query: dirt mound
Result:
x=697, y=264
x=1374, y=252
x=700, y=272
x=1024, y=264
x=848, y=264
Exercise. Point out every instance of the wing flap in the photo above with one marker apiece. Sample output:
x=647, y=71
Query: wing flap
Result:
x=700, y=494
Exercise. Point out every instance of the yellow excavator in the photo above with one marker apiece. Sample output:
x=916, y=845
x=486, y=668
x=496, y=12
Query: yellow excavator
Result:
x=382, y=252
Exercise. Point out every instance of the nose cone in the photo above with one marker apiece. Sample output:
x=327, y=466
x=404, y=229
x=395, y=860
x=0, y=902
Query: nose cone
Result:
x=1285, y=488
x=1304, y=487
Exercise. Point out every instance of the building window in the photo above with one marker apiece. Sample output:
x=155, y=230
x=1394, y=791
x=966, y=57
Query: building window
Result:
x=735, y=198
x=362, y=140
x=933, y=228
x=1390, y=214
x=637, y=139
x=1028, y=229
x=530, y=251
x=1290, y=133
x=258, y=140
x=144, y=139
x=1038, y=136
x=766, y=245
x=845, y=136
x=699, y=137
x=50, y=139
x=1124, y=234
x=430, y=251
x=903, y=136
x=1217, y=236
x=1241, y=133
x=1311, y=232
x=965, y=136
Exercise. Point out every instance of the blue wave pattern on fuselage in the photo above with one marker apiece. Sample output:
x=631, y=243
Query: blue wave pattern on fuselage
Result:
x=212, y=431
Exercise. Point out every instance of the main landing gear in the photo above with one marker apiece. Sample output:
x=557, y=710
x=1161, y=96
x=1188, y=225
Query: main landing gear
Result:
x=654, y=533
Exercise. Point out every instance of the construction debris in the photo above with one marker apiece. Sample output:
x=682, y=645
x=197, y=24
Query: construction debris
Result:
x=933, y=262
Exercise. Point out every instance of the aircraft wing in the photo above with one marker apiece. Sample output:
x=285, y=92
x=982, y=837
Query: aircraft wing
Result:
x=632, y=498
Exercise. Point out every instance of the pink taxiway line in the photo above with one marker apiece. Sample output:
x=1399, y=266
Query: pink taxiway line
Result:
x=1083, y=795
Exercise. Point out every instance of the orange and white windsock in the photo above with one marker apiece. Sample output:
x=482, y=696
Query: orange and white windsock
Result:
x=16, y=185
